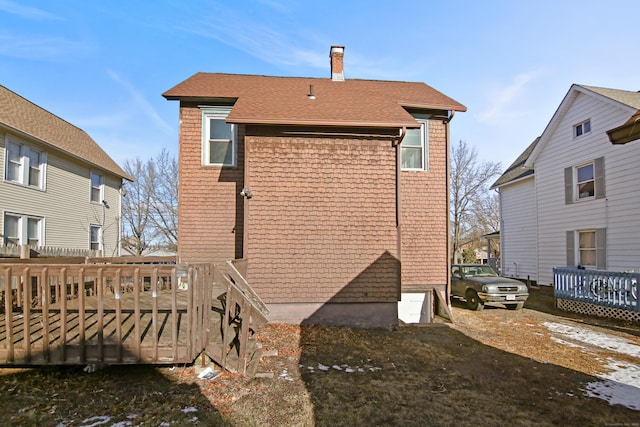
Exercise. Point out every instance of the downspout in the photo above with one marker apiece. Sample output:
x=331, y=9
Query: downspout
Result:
x=448, y=234
x=402, y=133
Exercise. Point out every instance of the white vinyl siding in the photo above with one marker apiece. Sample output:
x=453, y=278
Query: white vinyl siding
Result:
x=616, y=212
x=518, y=230
x=66, y=203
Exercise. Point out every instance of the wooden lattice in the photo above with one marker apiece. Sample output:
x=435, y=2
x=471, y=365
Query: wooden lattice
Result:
x=597, y=310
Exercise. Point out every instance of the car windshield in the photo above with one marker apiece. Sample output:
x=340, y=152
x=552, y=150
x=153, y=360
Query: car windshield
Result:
x=478, y=271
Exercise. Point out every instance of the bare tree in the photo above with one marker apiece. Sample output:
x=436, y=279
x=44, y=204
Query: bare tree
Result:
x=150, y=204
x=162, y=185
x=468, y=188
x=136, y=202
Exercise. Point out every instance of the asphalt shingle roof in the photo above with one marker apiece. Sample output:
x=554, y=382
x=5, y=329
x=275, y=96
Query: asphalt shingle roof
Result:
x=19, y=114
x=285, y=100
x=626, y=97
x=516, y=170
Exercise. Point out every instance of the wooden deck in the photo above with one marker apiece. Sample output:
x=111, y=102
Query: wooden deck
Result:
x=126, y=313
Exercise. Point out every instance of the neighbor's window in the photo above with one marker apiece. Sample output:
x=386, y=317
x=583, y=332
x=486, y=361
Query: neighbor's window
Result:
x=582, y=128
x=95, y=237
x=585, y=181
x=218, y=137
x=24, y=164
x=587, y=248
x=97, y=187
x=23, y=229
x=414, y=150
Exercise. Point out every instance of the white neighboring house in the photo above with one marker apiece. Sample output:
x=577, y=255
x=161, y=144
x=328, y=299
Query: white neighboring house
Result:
x=572, y=197
x=58, y=188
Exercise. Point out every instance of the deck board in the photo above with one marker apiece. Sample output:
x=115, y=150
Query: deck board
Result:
x=158, y=333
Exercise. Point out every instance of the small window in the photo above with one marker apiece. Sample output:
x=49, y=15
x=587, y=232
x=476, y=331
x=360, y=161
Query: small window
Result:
x=24, y=165
x=22, y=230
x=219, y=138
x=97, y=188
x=95, y=237
x=585, y=181
x=582, y=128
x=414, y=150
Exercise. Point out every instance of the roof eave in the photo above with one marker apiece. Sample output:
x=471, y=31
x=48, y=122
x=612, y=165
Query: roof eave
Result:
x=310, y=122
x=628, y=132
x=24, y=134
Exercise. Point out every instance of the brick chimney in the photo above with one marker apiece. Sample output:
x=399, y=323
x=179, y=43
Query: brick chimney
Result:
x=337, y=64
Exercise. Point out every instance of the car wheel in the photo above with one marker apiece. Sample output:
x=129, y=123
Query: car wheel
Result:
x=517, y=306
x=473, y=300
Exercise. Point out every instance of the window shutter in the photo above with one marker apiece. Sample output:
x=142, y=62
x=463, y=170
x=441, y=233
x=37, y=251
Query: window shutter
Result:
x=568, y=187
x=571, y=248
x=601, y=248
x=599, y=177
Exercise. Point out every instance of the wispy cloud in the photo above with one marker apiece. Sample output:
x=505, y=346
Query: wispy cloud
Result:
x=27, y=12
x=25, y=46
x=139, y=101
x=502, y=99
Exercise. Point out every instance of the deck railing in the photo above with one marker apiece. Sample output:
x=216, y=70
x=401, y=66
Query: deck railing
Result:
x=112, y=311
x=605, y=288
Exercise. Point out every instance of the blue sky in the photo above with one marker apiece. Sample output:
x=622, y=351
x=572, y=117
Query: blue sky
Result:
x=103, y=65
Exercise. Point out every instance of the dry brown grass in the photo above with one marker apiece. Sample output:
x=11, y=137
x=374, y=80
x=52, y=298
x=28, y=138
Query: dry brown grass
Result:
x=415, y=376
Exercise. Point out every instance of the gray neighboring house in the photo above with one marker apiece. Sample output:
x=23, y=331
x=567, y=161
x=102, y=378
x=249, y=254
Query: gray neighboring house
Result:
x=572, y=197
x=58, y=188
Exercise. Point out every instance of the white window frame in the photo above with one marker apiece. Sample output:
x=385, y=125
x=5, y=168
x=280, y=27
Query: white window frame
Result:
x=423, y=119
x=100, y=187
x=578, y=183
x=98, y=229
x=583, y=128
x=23, y=236
x=217, y=113
x=24, y=164
x=580, y=249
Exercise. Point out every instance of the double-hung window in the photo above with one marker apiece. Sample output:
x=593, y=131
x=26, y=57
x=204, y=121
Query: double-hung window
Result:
x=95, y=237
x=584, y=181
x=219, y=143
x=24, y=165
x=97, y=187
x=587, y=248
x=23, y=229
x=414, y=150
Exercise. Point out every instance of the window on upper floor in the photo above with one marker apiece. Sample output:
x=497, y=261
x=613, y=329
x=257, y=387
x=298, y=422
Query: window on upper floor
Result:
x=219, y=143
x=23, y=229
x=97, y=187
x=24, y=165
x=587, y=248
x=582, y=128
x=414, y=150
x=584, y=181
x=95, y=237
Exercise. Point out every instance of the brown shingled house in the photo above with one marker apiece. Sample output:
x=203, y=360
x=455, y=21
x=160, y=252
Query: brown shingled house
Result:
x=333, y=192
x=58, y=187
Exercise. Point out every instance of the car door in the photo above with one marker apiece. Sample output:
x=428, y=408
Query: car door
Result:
x=457, y=284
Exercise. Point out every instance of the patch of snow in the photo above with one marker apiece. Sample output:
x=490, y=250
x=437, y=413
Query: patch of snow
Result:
x=621, y=382
x=337, y=368
x=189, y=409
x=323, y=367
x=96, y=421
x=567, y=343
x=598, y=339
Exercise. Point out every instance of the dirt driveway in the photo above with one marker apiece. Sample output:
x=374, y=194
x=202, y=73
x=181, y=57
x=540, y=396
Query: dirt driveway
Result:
x=606, y=349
